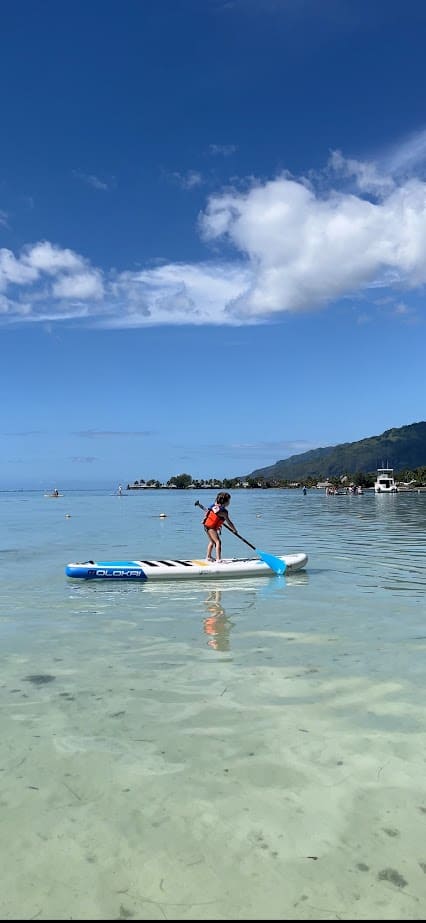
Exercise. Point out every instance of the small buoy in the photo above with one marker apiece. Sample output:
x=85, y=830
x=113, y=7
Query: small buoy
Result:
x=163, y=515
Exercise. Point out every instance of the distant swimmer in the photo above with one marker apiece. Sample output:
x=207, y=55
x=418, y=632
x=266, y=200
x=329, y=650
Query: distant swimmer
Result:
x=120, y=490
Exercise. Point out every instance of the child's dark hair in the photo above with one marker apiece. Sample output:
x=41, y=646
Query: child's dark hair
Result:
x=223, y=498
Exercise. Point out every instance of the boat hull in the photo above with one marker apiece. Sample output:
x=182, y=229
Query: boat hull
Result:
x=180, y=569
x=385, y=482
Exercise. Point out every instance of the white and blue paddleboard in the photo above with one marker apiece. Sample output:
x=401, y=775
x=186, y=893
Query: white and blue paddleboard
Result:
x=180, y=569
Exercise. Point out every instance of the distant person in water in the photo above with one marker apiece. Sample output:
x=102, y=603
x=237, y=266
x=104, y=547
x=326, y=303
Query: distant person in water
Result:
x=56, y=492
x=120, y=490
x=216, y=516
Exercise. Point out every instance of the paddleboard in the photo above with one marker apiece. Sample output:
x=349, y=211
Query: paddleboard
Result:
x=180, y=569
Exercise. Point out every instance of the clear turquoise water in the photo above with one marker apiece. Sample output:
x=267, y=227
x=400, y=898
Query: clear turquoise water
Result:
x=247, y=749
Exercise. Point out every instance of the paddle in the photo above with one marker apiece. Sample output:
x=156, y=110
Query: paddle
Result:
x=276, y=564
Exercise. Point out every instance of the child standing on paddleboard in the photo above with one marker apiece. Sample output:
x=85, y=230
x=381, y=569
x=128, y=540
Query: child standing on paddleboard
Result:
x=216, y=516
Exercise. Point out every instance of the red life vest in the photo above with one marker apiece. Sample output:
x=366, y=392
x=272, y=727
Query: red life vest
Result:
x=213, y=520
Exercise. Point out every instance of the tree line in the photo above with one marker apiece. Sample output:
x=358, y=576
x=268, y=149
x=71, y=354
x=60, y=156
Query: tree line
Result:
x=416, y=477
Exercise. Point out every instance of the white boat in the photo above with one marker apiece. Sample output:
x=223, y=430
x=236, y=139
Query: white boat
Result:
x=181, y=569
x=385, y=482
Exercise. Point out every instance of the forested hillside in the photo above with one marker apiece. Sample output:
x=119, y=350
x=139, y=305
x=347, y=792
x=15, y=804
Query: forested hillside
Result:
x=402, y=448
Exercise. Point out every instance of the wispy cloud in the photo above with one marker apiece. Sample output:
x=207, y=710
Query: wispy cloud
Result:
x=402, y=308
x=407, y=156
x=223, y=150
x=368, y=176
x=4, y=218
x=189, y=180
x=277, y=449
x=91, y=180
x=84, y=459
x=28, y=432
x=99, y=433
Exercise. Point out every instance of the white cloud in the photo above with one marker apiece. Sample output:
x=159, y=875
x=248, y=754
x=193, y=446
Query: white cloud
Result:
x=14, y=271
x=82, y=285
x=294, y=247
x=178, y=293
x=48, y=258
x=39, y=284
x=305, y=250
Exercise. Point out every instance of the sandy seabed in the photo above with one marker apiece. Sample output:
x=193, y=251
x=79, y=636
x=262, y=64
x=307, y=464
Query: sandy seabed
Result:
x=263, y=793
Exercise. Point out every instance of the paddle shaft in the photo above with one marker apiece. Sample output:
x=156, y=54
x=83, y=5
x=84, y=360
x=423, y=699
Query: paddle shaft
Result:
x=197, y=503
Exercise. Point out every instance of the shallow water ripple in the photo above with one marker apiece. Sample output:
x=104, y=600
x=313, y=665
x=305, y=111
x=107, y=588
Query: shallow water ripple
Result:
x=242, y=749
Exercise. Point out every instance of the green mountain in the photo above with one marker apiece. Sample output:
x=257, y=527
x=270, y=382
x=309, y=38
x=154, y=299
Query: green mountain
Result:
x=403, y=448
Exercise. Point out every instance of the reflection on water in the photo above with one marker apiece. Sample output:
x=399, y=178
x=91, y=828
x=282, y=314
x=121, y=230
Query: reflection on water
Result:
x=242, y=596
x=217, y=625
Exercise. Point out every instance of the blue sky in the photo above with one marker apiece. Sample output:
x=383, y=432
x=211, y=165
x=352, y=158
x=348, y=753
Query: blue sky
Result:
x=212, y=233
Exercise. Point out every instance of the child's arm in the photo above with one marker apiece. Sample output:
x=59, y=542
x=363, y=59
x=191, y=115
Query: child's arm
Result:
x=229, y=522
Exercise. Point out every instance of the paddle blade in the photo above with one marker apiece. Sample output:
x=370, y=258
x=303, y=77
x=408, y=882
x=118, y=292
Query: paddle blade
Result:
x=276, y=564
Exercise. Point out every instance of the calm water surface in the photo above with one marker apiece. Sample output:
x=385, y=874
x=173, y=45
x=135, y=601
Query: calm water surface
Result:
x=252, y=748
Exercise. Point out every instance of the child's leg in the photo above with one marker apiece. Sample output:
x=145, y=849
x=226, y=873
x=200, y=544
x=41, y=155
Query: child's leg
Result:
x=218, y=545
x=210, y=546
